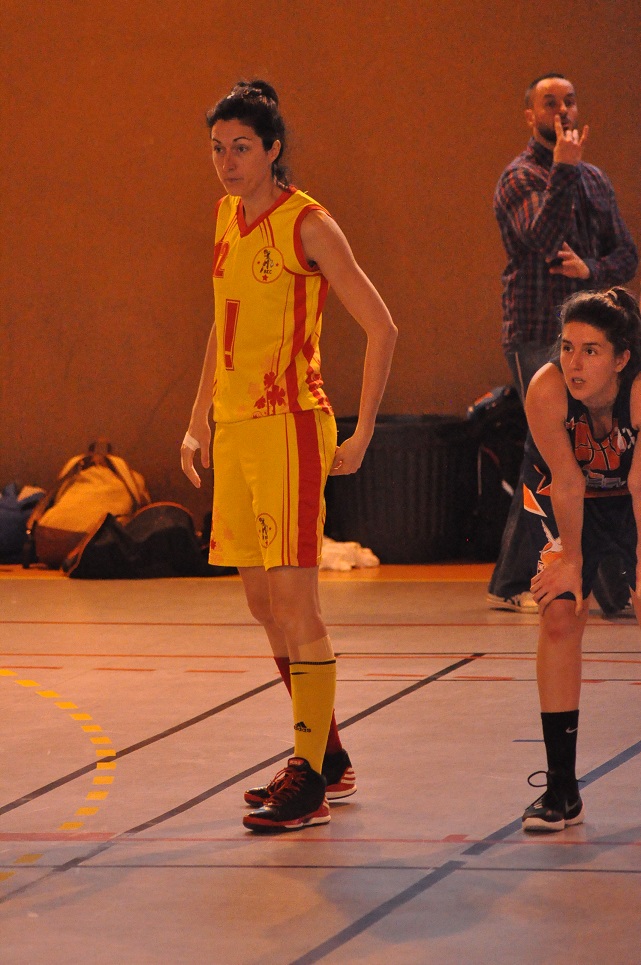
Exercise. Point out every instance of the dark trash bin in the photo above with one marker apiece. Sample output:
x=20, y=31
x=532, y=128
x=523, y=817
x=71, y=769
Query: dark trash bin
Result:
x=412, y=499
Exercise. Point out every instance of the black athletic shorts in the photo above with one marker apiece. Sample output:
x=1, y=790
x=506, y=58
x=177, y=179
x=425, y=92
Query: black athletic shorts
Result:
x=609, y=529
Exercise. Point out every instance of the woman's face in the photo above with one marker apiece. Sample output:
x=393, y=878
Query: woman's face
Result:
x=589, y=364
x=242, y=163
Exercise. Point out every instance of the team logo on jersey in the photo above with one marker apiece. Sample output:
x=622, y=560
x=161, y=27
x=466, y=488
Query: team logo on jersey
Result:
x=598, y=457
x=266, y=528
x=268, y=264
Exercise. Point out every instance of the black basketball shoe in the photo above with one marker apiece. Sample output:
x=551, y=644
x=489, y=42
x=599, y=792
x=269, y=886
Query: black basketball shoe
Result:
x=559, y=807
x=337, y=771
x=298, y=801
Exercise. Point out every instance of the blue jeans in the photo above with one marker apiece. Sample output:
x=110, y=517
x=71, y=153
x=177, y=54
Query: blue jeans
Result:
x=518, y=555
x=524, y=360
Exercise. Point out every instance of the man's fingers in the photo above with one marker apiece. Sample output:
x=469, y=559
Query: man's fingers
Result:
x=584, y=134
x=558, y=127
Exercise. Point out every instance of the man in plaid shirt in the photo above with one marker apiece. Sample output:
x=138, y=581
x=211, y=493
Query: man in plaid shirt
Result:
x=562, y=232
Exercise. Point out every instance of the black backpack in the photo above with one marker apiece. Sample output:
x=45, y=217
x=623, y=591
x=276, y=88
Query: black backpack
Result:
x=160, y=541
x=499, y=427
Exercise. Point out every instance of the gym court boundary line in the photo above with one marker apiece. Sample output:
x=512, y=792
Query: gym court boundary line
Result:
x=223, y=785
x=444, y=871
x=428, y=881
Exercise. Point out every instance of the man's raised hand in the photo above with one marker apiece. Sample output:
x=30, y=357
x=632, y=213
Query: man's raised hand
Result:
x=569, y=145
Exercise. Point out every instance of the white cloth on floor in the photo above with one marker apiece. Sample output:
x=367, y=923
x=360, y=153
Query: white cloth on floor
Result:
x=345, y=556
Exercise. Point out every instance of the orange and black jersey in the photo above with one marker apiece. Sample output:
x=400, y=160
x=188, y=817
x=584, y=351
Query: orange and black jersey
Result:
x=605, y=462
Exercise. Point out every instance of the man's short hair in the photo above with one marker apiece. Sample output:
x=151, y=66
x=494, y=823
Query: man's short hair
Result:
x=528, y=93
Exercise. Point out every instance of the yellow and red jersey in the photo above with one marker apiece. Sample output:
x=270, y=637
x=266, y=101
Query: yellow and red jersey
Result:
x=268, y=310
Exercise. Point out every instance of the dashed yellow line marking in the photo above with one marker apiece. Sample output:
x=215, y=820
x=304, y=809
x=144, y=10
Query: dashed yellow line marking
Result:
x=101, y=764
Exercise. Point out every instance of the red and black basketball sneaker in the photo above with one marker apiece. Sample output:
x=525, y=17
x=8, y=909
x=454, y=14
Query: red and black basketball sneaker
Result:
x=298, y=801
x=337, y=771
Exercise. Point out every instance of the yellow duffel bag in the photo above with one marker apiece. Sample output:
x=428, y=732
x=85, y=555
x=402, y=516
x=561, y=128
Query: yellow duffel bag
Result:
x=88, y=488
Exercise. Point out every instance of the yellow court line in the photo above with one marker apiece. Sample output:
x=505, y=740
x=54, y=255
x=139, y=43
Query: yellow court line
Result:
x=85, y=811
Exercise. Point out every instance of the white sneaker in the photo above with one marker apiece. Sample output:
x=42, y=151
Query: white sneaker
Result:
x=520, y=602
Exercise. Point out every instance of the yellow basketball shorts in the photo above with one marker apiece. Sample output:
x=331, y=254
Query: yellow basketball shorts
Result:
x=269, y=481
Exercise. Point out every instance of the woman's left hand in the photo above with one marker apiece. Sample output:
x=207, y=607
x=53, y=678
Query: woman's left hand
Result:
x=348, y=457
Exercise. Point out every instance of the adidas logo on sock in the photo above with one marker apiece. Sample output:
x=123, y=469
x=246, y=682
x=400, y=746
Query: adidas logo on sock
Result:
x=302, y=726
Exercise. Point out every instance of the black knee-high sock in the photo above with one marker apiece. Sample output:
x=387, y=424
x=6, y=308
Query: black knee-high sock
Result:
x=560, y=733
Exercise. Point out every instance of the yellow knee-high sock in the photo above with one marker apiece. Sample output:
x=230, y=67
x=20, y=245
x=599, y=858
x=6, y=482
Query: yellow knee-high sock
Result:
x=313, y=691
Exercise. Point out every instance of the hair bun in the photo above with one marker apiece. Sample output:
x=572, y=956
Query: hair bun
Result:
x=622, y=298
x=254, y=88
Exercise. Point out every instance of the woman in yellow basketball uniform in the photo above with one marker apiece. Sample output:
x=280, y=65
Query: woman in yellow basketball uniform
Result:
x=276, y=253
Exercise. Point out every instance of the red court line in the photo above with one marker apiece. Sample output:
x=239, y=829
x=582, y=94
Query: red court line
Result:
x=30, y=666
x=245, y=656
x=215, y=671
x=507, y=656
x=7, y=837
x=128, y=669
x=267, y=656
x=163, y=623
x=484, y=624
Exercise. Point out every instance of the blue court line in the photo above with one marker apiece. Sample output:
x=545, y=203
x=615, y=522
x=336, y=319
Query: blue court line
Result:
x=633, y=751
x=376, y=914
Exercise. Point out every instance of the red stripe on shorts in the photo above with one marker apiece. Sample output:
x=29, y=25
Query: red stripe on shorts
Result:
x=309, y=486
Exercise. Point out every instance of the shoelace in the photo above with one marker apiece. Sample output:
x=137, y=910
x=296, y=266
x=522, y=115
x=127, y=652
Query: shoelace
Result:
x=545, y=773
x=533, y=774
x=289, y=784
x=277, y=780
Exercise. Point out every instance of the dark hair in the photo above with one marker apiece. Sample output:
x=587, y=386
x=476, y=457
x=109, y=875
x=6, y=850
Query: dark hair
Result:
x=537, y=80
x=616, y=314
x=255, y=103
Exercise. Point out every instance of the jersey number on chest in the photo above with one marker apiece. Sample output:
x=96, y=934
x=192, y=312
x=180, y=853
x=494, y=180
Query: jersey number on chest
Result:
x=232, y=309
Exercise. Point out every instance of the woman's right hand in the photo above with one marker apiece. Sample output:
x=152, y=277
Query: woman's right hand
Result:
x=559, y=576
x=196, y=437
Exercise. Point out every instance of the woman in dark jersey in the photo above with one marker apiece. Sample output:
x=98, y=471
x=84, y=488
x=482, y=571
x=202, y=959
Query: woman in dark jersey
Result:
x=583, y=493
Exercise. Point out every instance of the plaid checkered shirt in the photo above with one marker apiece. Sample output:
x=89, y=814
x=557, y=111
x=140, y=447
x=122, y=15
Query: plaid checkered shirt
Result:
x=539, y=205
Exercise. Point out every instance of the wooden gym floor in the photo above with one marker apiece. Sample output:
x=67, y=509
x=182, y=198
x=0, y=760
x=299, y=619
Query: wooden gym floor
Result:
x=135, y=713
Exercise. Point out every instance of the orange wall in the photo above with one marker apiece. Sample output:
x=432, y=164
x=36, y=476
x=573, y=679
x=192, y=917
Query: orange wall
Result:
x=402, y=117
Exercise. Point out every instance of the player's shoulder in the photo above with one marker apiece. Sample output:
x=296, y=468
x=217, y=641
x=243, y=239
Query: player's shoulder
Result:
x=547, y=387
x=226, y=208
x=303, y=202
